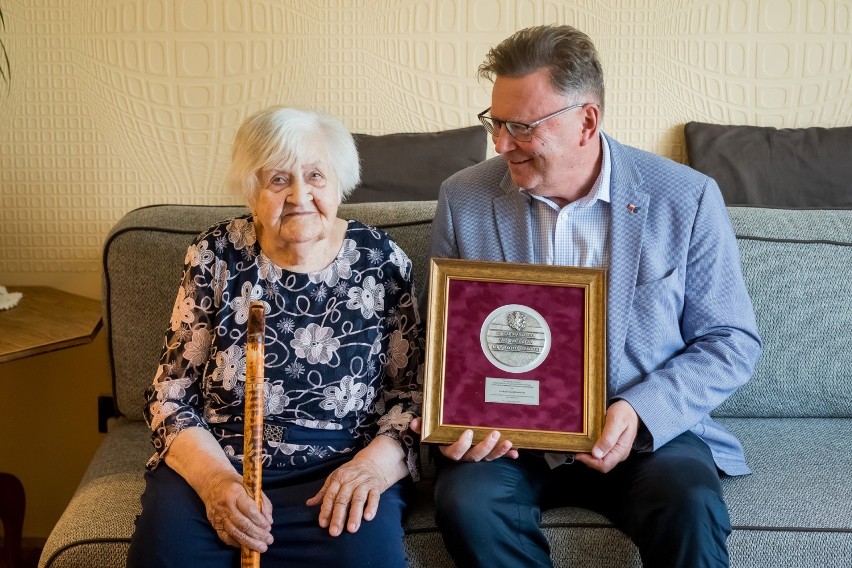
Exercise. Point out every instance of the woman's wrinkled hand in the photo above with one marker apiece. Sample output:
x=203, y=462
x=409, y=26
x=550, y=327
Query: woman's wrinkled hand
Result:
x=351, y=494
x=234, y=515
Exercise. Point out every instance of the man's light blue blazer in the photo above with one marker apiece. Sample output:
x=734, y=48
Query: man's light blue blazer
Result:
x=681, y=332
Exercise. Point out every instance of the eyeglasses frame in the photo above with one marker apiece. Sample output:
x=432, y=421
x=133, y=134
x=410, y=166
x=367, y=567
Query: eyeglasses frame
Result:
x=488, y=122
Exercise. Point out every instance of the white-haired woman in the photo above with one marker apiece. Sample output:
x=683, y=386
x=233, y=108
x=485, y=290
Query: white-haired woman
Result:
x=342, y=350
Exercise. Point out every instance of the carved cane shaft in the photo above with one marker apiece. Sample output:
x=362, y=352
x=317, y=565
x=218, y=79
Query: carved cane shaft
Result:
x=253, y=433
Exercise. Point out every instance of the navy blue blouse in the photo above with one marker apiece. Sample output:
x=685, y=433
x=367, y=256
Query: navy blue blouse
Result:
x=343, y=348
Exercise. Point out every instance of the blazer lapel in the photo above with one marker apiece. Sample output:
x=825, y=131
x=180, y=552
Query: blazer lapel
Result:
x=514, y=223
x=629, y=210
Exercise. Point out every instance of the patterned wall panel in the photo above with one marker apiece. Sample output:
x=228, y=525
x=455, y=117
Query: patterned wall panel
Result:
x=116, y=104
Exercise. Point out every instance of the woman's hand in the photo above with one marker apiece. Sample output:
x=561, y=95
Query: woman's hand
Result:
x=352, y=492
x=463, y=449
x=234, y=515
x=197, y=457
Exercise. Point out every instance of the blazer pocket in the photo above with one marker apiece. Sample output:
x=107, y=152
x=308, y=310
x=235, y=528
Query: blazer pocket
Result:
x=654, y=331
x=668, y=280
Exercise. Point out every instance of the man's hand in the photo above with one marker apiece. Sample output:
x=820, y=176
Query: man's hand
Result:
x=616, y=441
x=463, y=449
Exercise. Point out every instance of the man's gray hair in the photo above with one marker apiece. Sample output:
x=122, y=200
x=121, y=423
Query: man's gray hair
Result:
x=567, y=53
x=280, y=137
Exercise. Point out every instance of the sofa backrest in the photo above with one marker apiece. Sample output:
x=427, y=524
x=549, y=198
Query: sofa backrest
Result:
x=797, y=265
x=798, y=269
x=143, y=263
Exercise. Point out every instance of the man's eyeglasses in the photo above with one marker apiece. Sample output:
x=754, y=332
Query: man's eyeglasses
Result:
x=519, y=131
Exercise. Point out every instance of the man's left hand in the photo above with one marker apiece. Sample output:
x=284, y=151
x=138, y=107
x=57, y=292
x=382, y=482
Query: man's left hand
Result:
x=616, y=441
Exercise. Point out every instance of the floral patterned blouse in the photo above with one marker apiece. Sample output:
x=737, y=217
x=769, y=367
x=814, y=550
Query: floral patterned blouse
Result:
x=343, y=348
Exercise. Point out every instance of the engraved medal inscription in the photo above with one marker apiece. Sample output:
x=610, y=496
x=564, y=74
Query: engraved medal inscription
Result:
x=515, y=338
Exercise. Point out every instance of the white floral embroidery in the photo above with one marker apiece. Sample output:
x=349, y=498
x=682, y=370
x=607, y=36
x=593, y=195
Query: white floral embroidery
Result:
x=318, y=424
x=287, y=449
x=375, y=256
x=198, y=348
x=397, y=353
x=369, y=299
x=241, y=303
x=286, y=325
x=182, y=312
x=160, y=411
x=171, y=388
x=198, y=255
x=315, y=343
x=344, y=399
x=274, y=399
x=400, y=259
x=341, y=288
x=319, y=293
x=341, y=267
x=230, y=367
x=395, y=419
x=241, y=233
x=294, y=370
x=268, y=270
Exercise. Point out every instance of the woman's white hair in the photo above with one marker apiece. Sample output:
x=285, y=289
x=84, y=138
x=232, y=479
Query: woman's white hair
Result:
x=281, y=137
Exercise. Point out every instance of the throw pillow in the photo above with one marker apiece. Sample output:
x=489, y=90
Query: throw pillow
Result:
x=412, y=166
x=765, y=166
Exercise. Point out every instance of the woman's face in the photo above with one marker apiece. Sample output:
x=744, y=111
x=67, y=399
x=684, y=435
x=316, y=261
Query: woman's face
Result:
x=298, y=206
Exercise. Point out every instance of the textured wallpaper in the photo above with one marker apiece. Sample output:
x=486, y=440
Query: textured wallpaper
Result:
x=116, y=104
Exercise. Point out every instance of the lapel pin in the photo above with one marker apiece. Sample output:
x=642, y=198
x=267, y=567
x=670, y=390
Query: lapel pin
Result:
x=632, y=208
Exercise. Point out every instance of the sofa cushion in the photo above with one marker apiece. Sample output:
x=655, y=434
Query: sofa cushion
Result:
x=764, y=166
x=96, y=527
x=796, y=266
x=412, y=166
x=794, y=510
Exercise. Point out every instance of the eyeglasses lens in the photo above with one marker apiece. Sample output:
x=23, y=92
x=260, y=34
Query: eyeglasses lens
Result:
x=518, y=131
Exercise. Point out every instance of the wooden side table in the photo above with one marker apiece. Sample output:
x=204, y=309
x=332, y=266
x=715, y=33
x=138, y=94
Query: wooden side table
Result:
x=45, y=319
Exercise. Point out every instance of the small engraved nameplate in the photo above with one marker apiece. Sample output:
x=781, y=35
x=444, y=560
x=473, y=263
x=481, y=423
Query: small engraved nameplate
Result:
x=511, y=391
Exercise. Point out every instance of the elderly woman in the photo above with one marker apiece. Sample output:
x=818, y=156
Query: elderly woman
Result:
x=342, y=344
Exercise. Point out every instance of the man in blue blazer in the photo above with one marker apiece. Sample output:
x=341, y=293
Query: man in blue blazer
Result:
x=681, y=333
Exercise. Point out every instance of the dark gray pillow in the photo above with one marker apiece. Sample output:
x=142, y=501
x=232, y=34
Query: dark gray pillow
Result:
x=412, y=166
x=765, y=166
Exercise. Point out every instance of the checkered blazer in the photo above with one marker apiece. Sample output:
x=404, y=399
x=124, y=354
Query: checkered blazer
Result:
x=681, y=332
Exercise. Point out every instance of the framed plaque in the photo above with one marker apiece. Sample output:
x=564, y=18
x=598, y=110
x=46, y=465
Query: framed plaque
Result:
x=519, y=348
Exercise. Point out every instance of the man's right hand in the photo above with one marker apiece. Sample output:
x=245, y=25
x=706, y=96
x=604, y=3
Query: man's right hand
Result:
x=463, y=449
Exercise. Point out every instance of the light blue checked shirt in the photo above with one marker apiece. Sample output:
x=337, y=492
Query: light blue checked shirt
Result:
x=574, y=235
x=577, y=234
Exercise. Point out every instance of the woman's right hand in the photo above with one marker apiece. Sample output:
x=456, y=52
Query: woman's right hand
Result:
x=234, y=515
x=463, y=449
x=197, y=457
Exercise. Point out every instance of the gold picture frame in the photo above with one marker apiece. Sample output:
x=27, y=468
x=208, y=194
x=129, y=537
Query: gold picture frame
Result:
x=485, y=318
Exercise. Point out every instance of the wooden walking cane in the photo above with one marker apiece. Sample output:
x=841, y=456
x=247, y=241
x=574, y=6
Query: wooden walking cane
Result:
x=253, y=432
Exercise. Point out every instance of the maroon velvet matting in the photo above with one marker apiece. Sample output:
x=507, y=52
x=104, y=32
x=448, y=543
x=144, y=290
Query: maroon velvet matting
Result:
x=560, y=376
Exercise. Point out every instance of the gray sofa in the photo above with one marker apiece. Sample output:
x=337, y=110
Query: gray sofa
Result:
x=794, y=418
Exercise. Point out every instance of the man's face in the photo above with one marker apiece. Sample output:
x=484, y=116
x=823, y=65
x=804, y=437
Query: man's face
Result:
x=549, y=163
